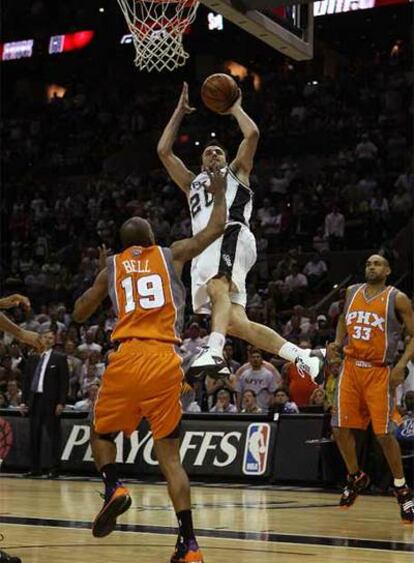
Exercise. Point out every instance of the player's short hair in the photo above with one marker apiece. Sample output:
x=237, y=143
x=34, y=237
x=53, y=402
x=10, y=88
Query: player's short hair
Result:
x=136, y=231
x=215, y=144
x=387, y=255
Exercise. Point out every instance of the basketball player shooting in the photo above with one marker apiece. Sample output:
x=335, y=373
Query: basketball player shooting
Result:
x=218, y=274
x=144, y=376
x=373, y=318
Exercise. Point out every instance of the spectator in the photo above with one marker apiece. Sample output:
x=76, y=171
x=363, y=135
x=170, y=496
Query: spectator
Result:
x=317, y=399
x=87, y=404
x=194, y=341
x=296, y=281
x=323, y=334
x=300, y=388
x=259, y=379
x=335, y=228
x=89, y=345
x=249, y=403
x=282, y=404
x=223, y=403
x=366, y=152
x=228, y=353
x=74, y=366
x=188, y=401
x=315, y=270
x=14, y=394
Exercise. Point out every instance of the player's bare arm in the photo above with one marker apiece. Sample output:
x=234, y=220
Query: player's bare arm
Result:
x=334, y=349
x=14, y=301
x=173, y=164
x=406, y=314
x=89, y=301
x=243, y=163
x=26, y=336
x=184, y=250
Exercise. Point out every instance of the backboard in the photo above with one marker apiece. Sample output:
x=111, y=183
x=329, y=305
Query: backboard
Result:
x=285, y=25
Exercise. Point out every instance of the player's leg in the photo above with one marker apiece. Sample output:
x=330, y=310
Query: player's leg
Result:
x=267, y=339
x=115, y=410
x=380, y=402
x=210, y=358
x=349, y=412
x=345, y=440
x=167, y=451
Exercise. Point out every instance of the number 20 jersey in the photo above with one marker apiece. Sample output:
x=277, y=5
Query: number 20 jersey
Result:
x=372, y=325
x=147, y=295
x=239, y=199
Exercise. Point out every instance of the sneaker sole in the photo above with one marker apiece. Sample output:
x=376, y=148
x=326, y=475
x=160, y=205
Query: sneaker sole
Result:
x=106, y=522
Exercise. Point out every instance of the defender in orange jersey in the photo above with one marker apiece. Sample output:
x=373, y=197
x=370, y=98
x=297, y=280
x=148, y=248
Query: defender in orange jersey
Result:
x=372, y=321
x=144, y=375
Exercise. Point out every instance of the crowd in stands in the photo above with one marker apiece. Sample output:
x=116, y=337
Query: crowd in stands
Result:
x=333, y=172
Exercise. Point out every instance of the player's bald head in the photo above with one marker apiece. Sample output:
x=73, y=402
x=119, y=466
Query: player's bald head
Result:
x=136, y=231
x=378, y=258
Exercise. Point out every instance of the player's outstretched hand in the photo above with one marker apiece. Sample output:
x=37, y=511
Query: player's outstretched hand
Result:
x=184, y=101
x=218, y=180
x=14, y=301
x=33, y=339
x=103, y=255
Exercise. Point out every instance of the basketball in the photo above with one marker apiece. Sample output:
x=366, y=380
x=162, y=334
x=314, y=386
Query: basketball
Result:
x=219, y=92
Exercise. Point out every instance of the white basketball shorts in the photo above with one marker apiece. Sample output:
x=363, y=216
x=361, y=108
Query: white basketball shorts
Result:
x=232, y=255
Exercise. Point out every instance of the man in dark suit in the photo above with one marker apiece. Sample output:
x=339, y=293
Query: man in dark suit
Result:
x=46, y=385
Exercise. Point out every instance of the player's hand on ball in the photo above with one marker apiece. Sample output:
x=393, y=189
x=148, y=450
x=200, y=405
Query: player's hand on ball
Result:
x=218, y=179
x=237, y=105
x=184, y=102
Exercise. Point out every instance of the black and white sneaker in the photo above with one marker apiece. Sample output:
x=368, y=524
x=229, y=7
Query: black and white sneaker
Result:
x=6, y=558
x=205, y=363
x=313, y=366
x=405, y=500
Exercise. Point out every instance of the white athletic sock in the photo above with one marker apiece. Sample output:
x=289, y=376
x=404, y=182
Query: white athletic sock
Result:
x=216, y=343
x=399, y=482
x=291, y=352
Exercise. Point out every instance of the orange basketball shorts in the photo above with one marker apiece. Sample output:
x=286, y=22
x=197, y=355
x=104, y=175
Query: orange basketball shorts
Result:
x=143, y=379
x=362, y=395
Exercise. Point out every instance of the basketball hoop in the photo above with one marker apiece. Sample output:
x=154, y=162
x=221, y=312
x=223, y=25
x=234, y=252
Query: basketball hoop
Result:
x=157, y=28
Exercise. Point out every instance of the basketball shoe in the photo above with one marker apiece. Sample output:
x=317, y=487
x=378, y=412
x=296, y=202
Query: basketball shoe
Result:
x=6, y=558
x=313, y=365
x=405, y=500
x=354, y=486
x=115, y=504
x=187, y=552
x=205, y=363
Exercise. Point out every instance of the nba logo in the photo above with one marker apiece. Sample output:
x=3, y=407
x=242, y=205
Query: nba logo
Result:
x=256, y=449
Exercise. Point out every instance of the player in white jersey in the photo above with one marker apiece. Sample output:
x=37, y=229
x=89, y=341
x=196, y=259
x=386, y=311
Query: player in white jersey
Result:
x=219, y=273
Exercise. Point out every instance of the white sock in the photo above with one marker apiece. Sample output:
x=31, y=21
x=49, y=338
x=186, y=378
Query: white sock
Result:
x=399, y=482
x=216, y=343
x=291, y=352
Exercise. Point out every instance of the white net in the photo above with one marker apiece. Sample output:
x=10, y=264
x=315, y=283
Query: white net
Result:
x=157, y=28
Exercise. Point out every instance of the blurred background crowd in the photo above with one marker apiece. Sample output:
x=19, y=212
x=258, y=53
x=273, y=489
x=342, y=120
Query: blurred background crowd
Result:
x=333, y=181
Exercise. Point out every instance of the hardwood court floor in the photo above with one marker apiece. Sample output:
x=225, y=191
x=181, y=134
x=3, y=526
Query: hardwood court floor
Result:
x=48, y=521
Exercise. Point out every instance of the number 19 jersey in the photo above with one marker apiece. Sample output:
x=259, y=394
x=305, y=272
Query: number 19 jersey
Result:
x=148, y=296
x=372, y=325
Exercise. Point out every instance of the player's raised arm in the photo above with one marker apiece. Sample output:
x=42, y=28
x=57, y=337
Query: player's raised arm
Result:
x=243, y=163
x=89, y=301
x=174, y=165
x=184, y=250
